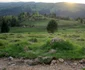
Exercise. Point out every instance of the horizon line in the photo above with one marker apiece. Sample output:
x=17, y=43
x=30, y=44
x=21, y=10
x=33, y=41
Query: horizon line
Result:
x=39, y=2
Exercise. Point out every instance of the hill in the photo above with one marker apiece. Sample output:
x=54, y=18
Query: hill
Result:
x=61, y=9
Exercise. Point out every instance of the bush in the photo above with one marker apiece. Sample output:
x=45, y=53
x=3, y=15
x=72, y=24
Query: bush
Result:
x=62, y=45
x=14, y=50
x=52, y=26
x=59, y=45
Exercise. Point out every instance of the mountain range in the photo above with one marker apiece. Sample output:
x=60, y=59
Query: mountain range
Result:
x=61, y=9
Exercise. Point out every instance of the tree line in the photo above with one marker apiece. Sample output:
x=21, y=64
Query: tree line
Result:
x=15, y=21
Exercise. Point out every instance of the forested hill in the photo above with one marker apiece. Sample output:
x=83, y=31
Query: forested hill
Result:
x=61, y=9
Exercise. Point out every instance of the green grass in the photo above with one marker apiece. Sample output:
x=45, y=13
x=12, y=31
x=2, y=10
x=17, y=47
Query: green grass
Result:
x=31, y=42
x=83, y=69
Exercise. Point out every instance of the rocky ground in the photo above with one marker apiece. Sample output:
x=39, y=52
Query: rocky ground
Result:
x=25, y=64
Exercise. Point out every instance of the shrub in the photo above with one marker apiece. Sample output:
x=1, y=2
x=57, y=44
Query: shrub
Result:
x=63, y=45
x=59, y=45
x=14, y=50
x=52, y=26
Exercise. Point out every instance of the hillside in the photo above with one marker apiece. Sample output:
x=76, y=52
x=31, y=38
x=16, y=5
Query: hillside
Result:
x=61, y=9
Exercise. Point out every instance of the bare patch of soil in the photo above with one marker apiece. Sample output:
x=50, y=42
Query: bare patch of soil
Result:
x=18, y=64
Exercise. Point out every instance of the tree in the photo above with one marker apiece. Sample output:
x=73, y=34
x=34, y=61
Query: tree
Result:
x=4, y=26
x=23, y=16
x=80, y=20
x=52, y=26
x=52, y=15
x=14, y=21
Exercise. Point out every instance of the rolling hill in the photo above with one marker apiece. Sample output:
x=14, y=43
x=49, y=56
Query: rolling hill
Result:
x=61, y=9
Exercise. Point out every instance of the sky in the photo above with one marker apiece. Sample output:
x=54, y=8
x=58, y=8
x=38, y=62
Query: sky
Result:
x=47, y=1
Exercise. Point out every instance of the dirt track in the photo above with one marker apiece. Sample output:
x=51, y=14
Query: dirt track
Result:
x=67, y=65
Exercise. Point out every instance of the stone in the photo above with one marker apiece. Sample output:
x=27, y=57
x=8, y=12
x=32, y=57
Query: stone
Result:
x=31, y=62
x=20, y=62
x=10, y=58
x=65, y=63
x=82, y=61
x=37, y=60
x=61, y=60
x=11, y=63
x=46, y=60
x=53, y=62
x=56, y=40
x=75, y=64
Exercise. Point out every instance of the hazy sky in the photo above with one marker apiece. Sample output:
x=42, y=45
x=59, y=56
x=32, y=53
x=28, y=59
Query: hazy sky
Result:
x=76, y=1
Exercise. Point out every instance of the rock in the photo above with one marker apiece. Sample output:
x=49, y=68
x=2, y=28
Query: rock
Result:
x=61, y=60
x=10, y=58
x=31, y=62
x=46, y=60
x=82, y=61
x=40, y=59
x=65, y=63
x=11, y=63
x=53, y=62
x=19, y=62
x=52, y=51
x=75, y=64
x=56, y=40
x=37, y=60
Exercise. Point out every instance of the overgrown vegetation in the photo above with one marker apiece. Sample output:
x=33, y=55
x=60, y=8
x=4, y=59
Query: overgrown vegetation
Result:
x=28, y=37
x=34, y=45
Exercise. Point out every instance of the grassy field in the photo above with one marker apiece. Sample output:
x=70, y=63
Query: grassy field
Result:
x=32, y=42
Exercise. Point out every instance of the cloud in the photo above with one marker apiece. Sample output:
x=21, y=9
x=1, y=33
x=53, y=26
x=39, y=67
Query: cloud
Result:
x=9, y=0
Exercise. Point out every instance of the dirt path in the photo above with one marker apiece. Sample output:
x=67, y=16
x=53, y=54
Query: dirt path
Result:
x=17, y=65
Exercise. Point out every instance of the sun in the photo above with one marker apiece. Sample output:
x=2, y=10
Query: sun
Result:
x=71, y=2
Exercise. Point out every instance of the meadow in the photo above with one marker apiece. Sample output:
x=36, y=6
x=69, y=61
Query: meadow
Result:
x=32, y=42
